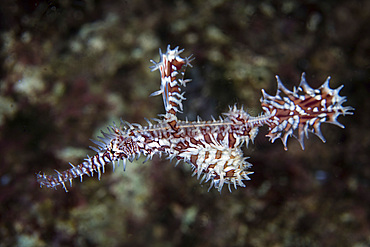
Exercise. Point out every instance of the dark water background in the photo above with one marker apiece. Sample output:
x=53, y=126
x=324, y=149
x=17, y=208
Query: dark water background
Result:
x=70, y=68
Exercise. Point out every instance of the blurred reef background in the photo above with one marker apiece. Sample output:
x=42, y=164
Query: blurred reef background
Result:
x=70, y=68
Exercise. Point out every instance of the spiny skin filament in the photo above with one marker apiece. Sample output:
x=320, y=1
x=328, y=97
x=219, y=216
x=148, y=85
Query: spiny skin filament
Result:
x=212, y=148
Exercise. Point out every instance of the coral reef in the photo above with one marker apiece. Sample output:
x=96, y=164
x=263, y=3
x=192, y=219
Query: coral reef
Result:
x=71, y=68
